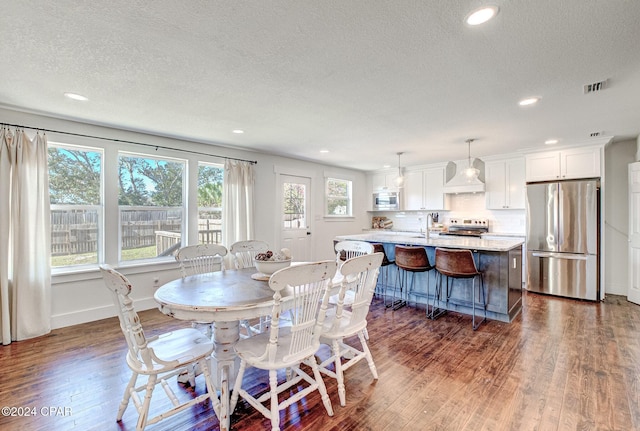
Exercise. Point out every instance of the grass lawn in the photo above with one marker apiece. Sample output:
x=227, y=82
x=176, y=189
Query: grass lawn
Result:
x=92, y=258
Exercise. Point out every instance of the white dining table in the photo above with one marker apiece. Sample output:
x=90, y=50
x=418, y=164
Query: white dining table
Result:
x=223, y=299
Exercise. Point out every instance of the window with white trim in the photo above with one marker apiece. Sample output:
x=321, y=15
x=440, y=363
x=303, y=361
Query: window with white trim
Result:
x=75, y=193
x=151, y=206
x=338, y=198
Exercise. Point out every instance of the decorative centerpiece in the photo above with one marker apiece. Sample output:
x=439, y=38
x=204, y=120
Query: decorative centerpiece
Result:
x=269, y=262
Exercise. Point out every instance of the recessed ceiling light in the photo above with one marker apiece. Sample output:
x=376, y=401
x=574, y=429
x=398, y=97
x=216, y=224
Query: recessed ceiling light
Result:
x=238, y=131
x=482, y=15
x=386, y=166
x=551, y=141
x=528, y=101
x=324, y=151
x=75, y=96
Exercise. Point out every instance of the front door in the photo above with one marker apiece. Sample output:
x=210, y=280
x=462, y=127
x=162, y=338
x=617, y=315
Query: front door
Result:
x=634, y=233
x=295, y=216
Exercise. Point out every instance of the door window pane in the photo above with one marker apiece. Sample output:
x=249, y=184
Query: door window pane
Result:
x=151, y=206
x=295, y=201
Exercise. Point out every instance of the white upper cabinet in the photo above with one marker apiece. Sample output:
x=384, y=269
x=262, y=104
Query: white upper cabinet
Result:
x=583, y=162
x=505, y=184
x=424, y=189
x=384, y=182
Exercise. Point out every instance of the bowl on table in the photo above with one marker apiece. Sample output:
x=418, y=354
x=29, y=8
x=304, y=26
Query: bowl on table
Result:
x=267, y=267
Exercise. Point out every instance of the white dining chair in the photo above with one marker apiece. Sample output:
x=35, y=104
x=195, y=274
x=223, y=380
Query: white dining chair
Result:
x=244, y=252
x=305, y=288
x=157, y=358
x=346, y=250
x=360, y=277
x=201, y=258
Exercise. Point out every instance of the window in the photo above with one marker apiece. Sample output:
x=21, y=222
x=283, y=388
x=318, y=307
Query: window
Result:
x=338, y=197
x=151, y=206
x=75, y=192
x=210, y=181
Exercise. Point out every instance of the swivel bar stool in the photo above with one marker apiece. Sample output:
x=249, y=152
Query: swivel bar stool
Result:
x=456, y=263
x=381, y=287
x=410, y=259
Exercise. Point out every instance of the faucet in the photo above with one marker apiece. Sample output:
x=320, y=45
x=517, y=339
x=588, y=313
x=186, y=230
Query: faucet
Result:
x=429, y=225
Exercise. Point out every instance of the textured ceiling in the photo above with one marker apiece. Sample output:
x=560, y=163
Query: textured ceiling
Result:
x=364, y=79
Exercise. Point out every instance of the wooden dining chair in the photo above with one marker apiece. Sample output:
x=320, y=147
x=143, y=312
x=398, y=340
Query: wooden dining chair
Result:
x=201, y=258
x=157, y=358
x=360, y=277
x=348, y=249
x=305, y=289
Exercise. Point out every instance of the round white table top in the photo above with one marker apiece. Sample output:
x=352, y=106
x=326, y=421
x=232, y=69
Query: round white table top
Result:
x=216, y=296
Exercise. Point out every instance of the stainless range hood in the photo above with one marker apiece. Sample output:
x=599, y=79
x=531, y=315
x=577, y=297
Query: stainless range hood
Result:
x=458, y=182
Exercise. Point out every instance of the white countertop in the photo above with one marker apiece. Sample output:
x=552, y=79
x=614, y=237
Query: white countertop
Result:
x=471, y=243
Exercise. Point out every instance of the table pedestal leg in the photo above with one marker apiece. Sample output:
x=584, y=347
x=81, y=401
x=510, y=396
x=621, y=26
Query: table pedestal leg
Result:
x=224, y=365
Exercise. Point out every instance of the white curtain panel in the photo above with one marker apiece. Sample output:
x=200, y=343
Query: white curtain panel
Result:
x=237, y=213
x=25, y=239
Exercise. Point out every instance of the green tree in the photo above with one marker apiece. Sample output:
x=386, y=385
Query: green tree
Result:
x=132, y=189
x=74, y=176
x=210, y=180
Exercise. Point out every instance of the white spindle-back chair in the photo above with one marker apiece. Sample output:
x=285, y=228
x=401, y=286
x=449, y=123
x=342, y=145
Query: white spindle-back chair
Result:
x=305, y=288
x=201, y=258
x=158, y=358
x=360, y=277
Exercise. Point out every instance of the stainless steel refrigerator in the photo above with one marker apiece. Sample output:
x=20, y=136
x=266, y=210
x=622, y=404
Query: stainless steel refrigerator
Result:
x=563, y=238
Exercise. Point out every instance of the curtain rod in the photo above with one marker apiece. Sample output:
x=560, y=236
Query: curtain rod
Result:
x=253, y=162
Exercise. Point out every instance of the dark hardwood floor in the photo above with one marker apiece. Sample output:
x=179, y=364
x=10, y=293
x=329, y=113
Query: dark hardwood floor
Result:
x=561, y=365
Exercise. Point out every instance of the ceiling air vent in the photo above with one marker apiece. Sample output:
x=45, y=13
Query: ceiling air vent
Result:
x=595, y=86
x=595, y=134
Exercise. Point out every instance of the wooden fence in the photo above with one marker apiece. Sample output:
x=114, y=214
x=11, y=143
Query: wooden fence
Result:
x=68, y=239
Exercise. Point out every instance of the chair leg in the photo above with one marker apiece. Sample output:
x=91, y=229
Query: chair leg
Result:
x=127, y=396
x=144, y=409
x=237, y=386
x=368, y=356
x=321, y=387
x=473, y=301
x=275, y=411
x=337, y=363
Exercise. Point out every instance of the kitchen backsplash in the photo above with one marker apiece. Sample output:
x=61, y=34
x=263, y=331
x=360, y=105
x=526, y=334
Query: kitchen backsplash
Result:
x=465, y=205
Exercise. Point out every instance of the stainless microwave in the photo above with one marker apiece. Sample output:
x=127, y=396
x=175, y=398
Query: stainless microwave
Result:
x=386, y=201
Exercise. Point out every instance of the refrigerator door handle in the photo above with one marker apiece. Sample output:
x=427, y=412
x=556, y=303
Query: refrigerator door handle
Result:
x=559, y=216
x=560, y=255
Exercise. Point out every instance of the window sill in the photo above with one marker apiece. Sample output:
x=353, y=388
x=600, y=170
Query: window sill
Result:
x=339, y=218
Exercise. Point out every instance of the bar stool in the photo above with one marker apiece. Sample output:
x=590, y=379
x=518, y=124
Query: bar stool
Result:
x=410, y=259
x=456, y=263
x=384, y=271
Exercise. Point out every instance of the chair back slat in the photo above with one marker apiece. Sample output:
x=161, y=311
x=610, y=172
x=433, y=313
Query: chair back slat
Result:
x=308, y=284
x=200, y=259
x=245, y=251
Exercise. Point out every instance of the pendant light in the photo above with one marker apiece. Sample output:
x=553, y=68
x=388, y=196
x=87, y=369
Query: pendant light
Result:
x=399, y=178
x=471, y=173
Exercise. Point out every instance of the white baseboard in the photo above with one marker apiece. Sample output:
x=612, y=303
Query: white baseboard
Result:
x=616, y=289
x=98, y=313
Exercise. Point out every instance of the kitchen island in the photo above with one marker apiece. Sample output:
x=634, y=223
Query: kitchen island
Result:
x=500, y=261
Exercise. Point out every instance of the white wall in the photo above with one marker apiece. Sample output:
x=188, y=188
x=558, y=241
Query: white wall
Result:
x=82, y=297
x=616, y=215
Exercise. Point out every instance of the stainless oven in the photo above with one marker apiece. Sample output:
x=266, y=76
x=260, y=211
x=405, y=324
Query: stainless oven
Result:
x=386, y=201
